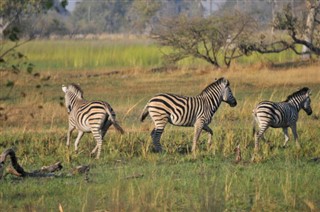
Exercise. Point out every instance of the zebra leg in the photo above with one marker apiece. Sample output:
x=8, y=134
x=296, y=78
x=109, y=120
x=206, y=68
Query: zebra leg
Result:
x=295, y=135
x=97, y=134
x=160, y=121
x=105, y=128
x=208, y=130
x=286, y=137
x=76, y=143
x=197, y=131
x=70, y=130
x=258, y=136
x=156, y=135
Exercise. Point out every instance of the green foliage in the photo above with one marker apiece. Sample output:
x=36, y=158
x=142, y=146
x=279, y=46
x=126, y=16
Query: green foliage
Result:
x=10, y=83
x=285, y=20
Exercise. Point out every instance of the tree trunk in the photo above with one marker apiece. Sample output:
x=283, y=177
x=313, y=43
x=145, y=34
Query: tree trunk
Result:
x=274, y=6
x=1, y=28
x=308, y=33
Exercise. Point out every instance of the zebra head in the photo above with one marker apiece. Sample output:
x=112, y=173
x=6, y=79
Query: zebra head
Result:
x=306, y=105
x=227, y=95
x=72, y=92
x=301, y=99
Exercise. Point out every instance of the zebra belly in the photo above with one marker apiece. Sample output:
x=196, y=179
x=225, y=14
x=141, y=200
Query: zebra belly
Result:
x=279, y=125
x=180, y=122
x=83, y=128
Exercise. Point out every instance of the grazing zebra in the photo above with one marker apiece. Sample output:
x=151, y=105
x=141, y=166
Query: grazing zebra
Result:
x=281, y=115
x=194, y=111
x=88, y=116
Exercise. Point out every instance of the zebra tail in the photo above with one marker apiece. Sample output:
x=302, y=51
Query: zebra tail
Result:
x=118, y=127
x=253, y=128
x=144, y=113
x=114, y=122
x=254, y=123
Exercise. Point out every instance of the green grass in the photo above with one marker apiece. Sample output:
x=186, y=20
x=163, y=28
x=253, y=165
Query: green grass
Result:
x=96, y=54
x=118, y=54
x=34, y=122
x=171, y=183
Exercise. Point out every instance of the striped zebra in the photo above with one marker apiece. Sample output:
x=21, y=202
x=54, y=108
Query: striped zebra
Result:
x=194, y=111
x=281, y=115
x=88, y=116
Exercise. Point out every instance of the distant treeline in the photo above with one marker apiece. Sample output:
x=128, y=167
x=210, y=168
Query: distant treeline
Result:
x=141, y=17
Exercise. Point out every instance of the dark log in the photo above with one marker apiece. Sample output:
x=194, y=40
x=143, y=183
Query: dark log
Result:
x=14, y=161
x=81, y=169
x=134, y=176
x=11, y=170
x=52, y=168
x=17, y=170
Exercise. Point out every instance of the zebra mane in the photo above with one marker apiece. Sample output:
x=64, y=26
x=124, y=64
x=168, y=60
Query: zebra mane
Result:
x=216, y=83
x=76, y=88
x=300, y=92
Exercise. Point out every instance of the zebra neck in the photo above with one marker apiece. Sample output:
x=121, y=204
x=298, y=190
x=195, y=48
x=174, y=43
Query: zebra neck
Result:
x=296, y=102
x=75, y=102
x=213, y=100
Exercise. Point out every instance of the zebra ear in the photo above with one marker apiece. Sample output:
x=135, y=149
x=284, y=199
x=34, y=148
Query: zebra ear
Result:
x=69, y=108
x=64, y=88
x=226, y=82
x=309, y=92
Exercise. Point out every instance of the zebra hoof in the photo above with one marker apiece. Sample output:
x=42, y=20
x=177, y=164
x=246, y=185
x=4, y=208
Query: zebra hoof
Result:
x=184, y=150
x=271, y=146
x=154, y=150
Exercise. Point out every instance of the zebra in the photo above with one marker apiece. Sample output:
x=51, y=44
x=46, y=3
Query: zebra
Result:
x=281, y=115
x=88, y=116
x=196, y=111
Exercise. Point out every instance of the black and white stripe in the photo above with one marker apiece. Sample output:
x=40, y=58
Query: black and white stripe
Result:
x=88, y=116
x=281, y=115
x=194, y=111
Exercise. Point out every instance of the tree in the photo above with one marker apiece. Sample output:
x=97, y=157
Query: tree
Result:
x=12, y=12
x=102, y=16
x=142, y=12
x=314, y=9
x=213, y=39
x=301, y=32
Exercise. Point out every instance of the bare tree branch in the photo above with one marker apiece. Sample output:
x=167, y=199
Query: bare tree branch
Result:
x=286, y=21
x=205, y=38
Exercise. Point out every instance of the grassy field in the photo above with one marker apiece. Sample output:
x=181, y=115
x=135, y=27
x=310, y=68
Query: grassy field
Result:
x=128, y=176
x=75, y=55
